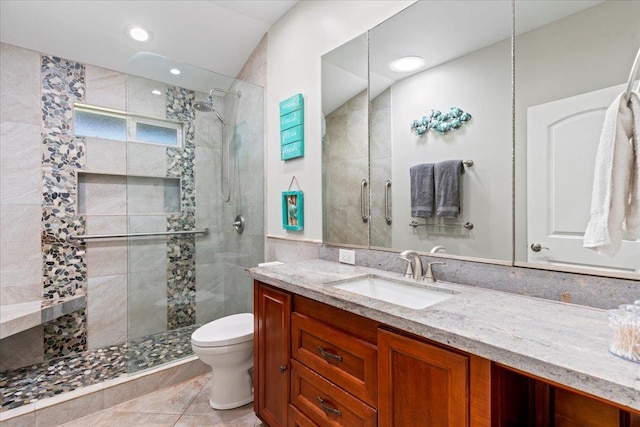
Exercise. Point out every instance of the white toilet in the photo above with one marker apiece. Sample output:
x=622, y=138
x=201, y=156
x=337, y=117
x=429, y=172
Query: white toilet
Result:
x=226, y=344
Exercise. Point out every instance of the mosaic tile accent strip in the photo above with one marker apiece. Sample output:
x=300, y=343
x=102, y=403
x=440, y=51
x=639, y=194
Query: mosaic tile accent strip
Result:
x=66, y=335
x=60, y=222
x=63, y=83
x=181, y=283
x=64, y=264
x=64, y=269
x=53, y=377
x=62, y=156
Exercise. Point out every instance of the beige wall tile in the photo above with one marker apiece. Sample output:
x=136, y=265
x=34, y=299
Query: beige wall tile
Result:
x=106, y=224
x=150, y=382
x=20, y=163
x=26, y=420
x=19, y=294
x=70, y=410
x=147, y=302
x=20, y=263
x=20, y=250
x=290, y=250
x=106, y=258
x=102, y=194
x=170, y=400
x=106, y=156
x=31, y=345
x=107, y=310
x=146, y=159
x=105, y=88
x=20, y=82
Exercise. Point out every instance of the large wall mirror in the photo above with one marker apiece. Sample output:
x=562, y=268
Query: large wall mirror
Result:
x=567, y=74
x=563, y=49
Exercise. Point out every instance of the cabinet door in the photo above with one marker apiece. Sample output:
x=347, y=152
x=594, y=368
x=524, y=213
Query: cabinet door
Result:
x=420, y=384
x=271, y=357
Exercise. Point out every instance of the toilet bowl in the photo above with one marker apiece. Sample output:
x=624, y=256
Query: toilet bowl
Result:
x=226, y=344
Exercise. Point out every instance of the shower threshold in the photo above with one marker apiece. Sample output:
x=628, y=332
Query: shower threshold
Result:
x=65, y=374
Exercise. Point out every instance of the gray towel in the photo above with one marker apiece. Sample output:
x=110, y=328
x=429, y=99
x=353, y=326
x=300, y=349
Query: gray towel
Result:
x=447, y=183
x=422, y=189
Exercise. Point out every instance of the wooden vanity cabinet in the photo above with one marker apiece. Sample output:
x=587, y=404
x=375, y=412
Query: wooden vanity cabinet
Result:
x=520, y=400
x=425, y=384
x=318, y=365
x=272, y=337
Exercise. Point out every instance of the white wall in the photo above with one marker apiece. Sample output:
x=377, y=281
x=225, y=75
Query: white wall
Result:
x=480, y=84
x=296, y=43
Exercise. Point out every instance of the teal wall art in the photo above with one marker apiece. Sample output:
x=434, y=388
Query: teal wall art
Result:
x=292, y=127
x=293, y=210
x=440, y=122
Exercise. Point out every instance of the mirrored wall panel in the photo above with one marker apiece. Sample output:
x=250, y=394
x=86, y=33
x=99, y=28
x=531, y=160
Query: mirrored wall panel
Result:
x=568, y=71
x=345, y=144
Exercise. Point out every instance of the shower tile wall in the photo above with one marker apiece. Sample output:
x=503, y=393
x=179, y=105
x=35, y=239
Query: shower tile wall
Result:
x=346, y=151
x=380, y=170
x=39, y=152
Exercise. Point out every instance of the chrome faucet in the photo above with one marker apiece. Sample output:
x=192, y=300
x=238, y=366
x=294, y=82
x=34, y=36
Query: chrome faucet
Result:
x=429, y=276
x=437, y=249
x=414, y=269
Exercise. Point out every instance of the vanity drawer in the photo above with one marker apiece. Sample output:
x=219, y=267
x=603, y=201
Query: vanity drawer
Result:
x=341, y=358
x=326, y=404
x=298, y=419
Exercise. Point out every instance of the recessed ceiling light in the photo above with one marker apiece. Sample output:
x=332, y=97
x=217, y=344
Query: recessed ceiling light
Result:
x=174, y=71
x=156, y=92
x=138, y=33
x=406, y=64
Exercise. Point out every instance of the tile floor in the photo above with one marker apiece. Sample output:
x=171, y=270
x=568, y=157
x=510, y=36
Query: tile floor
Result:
x=185, y=404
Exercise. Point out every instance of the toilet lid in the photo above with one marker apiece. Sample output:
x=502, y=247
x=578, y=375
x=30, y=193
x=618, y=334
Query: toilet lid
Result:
x=227, y=330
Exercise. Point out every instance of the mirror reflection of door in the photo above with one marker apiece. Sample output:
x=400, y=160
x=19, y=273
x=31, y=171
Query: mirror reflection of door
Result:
x=562, y=139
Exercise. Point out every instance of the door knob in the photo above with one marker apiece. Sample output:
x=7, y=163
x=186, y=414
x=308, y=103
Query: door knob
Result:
x=282, y=369
x=537, y=247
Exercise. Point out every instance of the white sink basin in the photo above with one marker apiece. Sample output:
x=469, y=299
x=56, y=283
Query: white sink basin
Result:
x=416, y=296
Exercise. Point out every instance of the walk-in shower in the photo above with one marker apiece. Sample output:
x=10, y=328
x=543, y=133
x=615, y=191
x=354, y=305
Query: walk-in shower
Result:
x=146, y=174
x=225, y=169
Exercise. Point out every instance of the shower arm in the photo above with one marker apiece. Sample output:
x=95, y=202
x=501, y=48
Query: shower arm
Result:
x=233, y=92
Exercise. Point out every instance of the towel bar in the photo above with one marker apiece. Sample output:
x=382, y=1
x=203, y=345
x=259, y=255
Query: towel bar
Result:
x=468, y=225
x=86, y=237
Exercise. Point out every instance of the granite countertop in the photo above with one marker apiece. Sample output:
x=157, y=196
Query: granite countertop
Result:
x=560, y=342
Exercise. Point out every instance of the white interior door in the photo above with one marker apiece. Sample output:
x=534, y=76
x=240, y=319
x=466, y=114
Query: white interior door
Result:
x=562, y=138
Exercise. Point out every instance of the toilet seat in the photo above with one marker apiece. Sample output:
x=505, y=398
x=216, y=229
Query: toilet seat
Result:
x=229, y=330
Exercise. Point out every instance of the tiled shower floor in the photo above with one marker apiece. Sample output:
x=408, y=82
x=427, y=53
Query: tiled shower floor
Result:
x=50, y=378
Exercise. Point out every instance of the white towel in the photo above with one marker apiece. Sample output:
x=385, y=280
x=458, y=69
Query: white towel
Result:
x=614, y=167
x=632, y=216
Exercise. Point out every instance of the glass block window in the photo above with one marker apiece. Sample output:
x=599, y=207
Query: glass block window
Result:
x=117, y=125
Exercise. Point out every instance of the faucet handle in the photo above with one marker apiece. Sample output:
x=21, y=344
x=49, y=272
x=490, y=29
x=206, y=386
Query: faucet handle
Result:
x=409, y=272
x=429, y=276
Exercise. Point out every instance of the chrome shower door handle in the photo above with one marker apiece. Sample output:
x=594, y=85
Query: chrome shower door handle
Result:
x=363, y=200
x=387, y=194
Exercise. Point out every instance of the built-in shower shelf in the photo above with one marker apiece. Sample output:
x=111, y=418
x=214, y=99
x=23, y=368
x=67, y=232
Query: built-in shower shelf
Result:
x=15, y=318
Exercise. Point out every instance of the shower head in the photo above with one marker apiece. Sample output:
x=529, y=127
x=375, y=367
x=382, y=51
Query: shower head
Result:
x=204, y=106
x=207, y=107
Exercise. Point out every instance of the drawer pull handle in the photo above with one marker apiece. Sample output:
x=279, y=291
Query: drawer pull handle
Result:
x=329, y=409
x=328, y=355
x=283, y=369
